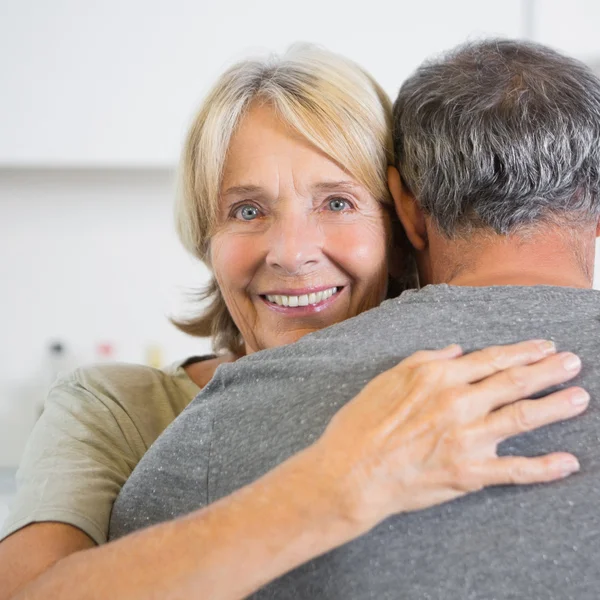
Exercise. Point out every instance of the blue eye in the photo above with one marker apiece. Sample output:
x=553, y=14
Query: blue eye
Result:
x=247, y=212
x=338, y=204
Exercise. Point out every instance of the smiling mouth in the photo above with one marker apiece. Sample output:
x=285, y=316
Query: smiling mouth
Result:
x=311, y=299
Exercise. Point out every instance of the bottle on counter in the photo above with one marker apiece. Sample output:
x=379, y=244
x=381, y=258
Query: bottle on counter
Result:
x=154, y=356
x=105, y=352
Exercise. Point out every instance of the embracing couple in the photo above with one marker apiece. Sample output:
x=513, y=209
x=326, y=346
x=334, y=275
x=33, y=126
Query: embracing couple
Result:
x=373, y=457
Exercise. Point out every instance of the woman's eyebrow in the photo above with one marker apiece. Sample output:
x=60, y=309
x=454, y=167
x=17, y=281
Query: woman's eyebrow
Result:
x=332, y=186
x=242, y=189
x=323, y=186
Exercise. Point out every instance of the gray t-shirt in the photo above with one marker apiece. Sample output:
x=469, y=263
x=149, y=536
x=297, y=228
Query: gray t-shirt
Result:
x=534, y=542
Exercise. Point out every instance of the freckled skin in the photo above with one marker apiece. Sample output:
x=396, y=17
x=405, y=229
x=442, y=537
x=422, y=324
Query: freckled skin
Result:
x=295, y=238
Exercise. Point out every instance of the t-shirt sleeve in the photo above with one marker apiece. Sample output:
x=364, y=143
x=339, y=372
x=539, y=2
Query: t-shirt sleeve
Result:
x=78, y=456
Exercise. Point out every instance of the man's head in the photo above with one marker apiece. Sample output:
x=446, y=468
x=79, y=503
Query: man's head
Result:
x=497, y=140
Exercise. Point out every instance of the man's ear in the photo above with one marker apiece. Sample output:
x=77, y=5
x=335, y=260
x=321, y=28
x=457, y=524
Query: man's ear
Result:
x=408, y=210
x=598, y=229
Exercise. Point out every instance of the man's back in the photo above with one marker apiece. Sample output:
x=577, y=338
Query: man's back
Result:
x=512, y=542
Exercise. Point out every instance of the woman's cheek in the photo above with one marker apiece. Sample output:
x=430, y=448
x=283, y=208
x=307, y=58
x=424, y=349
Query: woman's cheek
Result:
x=360, y=248
x=234, y=259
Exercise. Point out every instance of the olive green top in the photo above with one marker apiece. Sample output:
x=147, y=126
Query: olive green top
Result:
x=97, y=424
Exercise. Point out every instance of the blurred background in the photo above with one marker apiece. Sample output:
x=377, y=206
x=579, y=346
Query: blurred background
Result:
x=95, y=99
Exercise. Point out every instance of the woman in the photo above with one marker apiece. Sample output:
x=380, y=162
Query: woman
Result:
x=285, y=199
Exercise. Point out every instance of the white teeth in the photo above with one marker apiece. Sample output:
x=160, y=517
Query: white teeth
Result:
x=303, y=300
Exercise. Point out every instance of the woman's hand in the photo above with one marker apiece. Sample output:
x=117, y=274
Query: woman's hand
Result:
x=426, y=431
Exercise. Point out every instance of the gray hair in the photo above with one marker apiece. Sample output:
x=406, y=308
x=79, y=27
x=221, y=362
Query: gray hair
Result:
x=500, y=134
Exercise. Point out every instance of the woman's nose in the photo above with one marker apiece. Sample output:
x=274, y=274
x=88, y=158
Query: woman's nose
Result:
x=295, y=245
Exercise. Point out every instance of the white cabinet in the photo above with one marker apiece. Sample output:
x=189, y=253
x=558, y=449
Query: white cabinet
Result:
x=116, y=82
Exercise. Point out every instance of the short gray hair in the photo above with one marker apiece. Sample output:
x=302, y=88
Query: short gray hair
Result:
x=500, y=134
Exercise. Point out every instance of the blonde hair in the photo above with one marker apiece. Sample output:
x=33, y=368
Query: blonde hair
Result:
x=329, y=100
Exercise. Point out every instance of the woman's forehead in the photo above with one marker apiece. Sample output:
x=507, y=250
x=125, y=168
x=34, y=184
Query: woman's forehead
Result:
x=266, y=154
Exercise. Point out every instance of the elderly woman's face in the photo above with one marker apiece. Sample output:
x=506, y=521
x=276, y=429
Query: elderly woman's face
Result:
x=300, y=244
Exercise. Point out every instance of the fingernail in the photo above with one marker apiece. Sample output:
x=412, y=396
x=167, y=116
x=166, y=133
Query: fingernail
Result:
x=571, y=362
x=569, y=466
x=546, y=346
x=580, y=397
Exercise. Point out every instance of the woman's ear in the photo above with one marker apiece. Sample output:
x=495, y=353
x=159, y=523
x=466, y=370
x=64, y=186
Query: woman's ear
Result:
x=409, y=212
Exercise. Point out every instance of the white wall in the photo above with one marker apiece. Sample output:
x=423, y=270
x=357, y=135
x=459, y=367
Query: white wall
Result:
x=570, y=26
x=94, y=102
x=87, y=256
x=116, y=82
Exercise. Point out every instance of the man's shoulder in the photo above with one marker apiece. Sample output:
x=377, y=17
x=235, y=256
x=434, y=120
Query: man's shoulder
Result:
x=435, y=316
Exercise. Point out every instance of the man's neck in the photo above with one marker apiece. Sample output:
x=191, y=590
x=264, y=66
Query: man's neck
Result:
x=549, y=257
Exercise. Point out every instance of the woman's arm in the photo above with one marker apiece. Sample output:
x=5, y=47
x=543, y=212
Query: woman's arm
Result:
x=32, y=550
x=420, y=434
x=96, y=425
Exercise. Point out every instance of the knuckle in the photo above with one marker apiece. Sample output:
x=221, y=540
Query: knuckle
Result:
x=462, y=478
x=427, y=369
x=496, y=357
x=522, y=417
x=451, y=408
x=517, y=473
x=432, y=372
x=456, y=405
x=423, y=373
x=517, y=380
x=457, y=444
x=454, y=400
x=418, y=359
x=419, y=356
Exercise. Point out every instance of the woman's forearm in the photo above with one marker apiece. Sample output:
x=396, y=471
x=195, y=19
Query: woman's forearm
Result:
x=226, y=550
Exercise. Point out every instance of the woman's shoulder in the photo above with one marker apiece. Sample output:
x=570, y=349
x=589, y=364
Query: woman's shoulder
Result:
x=201, y=371
x=98, y=422
x=130, y=377
x=140, y=392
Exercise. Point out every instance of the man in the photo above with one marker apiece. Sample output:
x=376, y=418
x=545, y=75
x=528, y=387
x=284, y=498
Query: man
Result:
x=498, y=148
